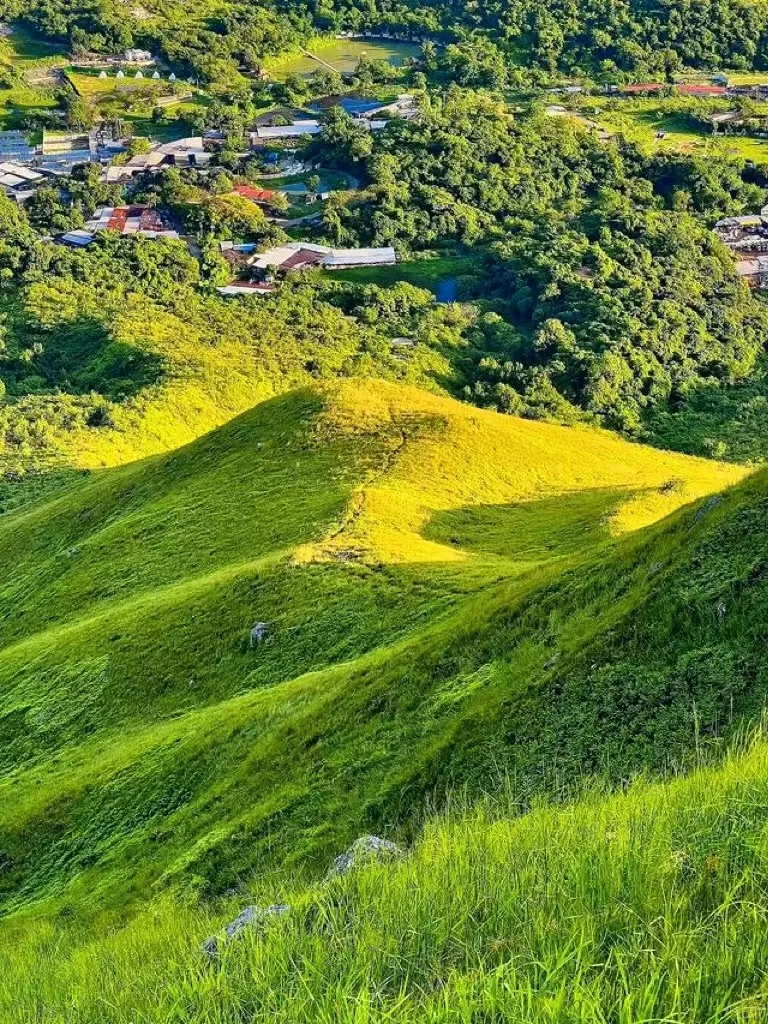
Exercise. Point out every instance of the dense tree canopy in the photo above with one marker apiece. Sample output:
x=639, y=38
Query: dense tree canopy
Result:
x=634, y=36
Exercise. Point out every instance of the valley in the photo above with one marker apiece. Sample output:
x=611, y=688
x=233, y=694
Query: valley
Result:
x=383, y=495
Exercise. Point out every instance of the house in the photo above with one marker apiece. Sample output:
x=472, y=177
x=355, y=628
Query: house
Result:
x=131, y=220
x=246, y=288
x=754, y=271
x=237, y=256
x=292, y=256
x=733, y=229
x=295, y=130
x=13, y=175
x=300, y=255
x=78, y=239
x=56, y=144
x=725, y=118
x=133, y=56
x=749, y=244
x=643, y=88
x=19, y=182
x=189, y=152
x=15, y=146
x=151, y=161
x=692, y=89
x=341, y=259
x=256, y=195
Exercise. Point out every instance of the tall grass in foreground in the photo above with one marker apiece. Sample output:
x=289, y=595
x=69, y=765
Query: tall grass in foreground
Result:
x=646, y=906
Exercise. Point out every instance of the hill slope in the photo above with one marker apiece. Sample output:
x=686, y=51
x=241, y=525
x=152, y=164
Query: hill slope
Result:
x=645, y=906
x=445, y=598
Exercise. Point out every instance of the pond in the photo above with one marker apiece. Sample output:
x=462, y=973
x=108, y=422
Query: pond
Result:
x=446, y=289
x=300, y=189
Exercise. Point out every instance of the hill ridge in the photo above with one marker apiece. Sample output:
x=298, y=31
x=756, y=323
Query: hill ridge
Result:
x=144, y=739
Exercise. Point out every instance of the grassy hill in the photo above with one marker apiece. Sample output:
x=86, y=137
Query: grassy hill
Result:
x=644, y=906
x=424, y=605
x=454, y=600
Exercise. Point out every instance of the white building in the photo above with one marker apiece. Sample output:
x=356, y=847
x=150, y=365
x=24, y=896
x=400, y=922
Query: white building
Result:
x=138, y=56
x=301, y=255
x=339, y=259
x=288, y=131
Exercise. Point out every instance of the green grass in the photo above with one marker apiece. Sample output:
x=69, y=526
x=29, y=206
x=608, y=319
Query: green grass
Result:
x=646, y=906
x=342, y=55
x=455, y=599
x=28, y=50
x=409, y=589
x=333, y=179
x=642, y=119
x=427, y=273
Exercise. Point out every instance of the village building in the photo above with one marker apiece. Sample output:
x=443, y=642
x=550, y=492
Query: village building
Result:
x=19, y=182
x=295, y=130
x=188, y=152
x=699, y=89
x=236, y=288
x=735, y=230
x=747, y=238
x=134, y=56
x=131, y=220
x=261, y=196
x=78, y=239
x=754, y=271
x=301, y=255
x=643, y=88
x=14, y=145
x=56, y=144
x=725, y=119
x=342, y=259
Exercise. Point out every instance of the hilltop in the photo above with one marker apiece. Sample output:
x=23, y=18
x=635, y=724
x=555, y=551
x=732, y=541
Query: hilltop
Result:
x=447, y=592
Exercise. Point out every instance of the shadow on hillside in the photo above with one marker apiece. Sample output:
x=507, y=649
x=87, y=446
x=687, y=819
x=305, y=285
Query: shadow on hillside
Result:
x=79, y=357
x=531, y=530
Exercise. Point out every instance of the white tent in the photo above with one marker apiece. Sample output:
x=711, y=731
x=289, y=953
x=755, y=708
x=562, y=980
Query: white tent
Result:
x=156, y=75
x=172, y=77
x=121, y=74
x=139, y=74
x=103, y=74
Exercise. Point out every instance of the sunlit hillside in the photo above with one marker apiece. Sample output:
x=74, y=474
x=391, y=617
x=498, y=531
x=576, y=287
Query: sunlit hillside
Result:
x=419, y=568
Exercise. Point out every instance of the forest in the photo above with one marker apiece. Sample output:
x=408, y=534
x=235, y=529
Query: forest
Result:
x=491, y=43
x=593, y=289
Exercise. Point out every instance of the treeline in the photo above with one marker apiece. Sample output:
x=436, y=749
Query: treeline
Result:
x=494, y=39
x=602, y=292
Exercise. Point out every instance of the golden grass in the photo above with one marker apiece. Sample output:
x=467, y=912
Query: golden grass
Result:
x=445, y=455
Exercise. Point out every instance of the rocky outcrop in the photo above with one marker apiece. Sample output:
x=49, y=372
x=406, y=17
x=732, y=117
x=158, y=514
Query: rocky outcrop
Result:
x=363, y=851
x=259, y=633
x=252, y=917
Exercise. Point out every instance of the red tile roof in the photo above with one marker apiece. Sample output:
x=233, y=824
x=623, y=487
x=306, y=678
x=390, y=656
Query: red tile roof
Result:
x=702, y=90
x=302, y=258
x=256, y=195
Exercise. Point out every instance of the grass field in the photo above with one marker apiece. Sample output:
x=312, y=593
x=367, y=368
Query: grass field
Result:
x=426, y=273
x=647, y=906
x=521, y=622
x=408, y=589
x=31, y=61
x=642, y=120
x=342, y=55
x=29, y=51
x=89, y=85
